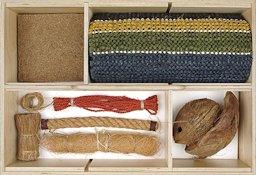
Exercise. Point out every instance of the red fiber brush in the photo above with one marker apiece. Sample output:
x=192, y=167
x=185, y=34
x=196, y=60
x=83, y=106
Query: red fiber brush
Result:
x=99, y=103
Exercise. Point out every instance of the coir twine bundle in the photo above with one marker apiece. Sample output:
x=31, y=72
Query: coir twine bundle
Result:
x=117, y=142
x=28, y=126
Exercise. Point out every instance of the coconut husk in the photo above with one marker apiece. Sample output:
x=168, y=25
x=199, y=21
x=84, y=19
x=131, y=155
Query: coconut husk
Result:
x=194, y=120
x=219, y=136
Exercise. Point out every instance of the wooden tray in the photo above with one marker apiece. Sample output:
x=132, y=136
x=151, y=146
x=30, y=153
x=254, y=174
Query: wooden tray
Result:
x=9, y=86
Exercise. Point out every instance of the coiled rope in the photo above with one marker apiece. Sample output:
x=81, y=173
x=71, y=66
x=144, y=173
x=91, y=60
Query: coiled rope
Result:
x=26, y=102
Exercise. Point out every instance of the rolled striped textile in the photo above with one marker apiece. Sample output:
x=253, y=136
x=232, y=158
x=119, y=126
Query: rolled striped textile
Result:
x=169, y=48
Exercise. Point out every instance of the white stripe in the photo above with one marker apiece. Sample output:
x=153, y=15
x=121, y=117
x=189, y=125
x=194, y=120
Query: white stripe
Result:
x=175, y=52
x=174, y=19
x=196, y=31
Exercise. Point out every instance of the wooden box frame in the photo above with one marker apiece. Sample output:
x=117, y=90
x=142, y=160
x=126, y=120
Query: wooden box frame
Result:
x=9, y=87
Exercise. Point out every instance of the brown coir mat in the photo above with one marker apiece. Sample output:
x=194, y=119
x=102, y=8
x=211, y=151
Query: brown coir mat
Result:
x=50, y=47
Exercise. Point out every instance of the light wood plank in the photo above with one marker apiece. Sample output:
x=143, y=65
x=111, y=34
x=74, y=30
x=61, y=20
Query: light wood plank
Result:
x=113, y=87
x=128, y=6
x=245, y=128
x=209, y=7
x=45, y=84
x=1, y=85
x=208, y=165
x=48, y=10
x=45, y=1
x=253, y=80
x=214, y=86
x=9, y=133
x=55, y=4
x=87, y=16
x=91, y=173
x=48, y=165
x=10, y=48
x=169, y=130
x=128, y=165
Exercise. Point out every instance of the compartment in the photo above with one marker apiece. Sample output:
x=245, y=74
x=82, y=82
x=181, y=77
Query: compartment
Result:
x=232, y=158
x=49, y=161
x=43, y=44
x=119, y=66
x=93, y=7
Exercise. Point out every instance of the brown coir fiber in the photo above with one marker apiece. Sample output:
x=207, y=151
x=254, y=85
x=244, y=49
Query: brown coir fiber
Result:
x=50, y=47
x=28, y=126
x=77, y=122
x=106, y=142
x=26, y=101
x=194, y=120
x=222, y=133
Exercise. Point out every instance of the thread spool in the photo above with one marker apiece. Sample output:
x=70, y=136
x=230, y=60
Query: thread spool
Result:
x=28, y=126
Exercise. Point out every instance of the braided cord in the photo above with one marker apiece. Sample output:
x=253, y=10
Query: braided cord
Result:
x=101, y=122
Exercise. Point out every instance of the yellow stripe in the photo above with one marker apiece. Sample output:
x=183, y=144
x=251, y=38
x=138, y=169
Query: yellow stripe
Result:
x=163, y=25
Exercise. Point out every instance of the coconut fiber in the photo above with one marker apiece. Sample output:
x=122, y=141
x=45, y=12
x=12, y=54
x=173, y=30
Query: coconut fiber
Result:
x=169, y=48
x=118, y=142
x=50, y=47
x=29, y=125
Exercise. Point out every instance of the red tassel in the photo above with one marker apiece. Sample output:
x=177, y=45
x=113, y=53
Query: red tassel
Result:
x=98, y=103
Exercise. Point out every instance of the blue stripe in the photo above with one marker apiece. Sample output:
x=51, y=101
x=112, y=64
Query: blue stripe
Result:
x=165, y=68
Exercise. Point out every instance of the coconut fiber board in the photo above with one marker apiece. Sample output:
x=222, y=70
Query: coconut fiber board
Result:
x=50, y=47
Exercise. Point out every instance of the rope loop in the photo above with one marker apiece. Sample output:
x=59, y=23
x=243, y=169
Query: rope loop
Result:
x=27, y=101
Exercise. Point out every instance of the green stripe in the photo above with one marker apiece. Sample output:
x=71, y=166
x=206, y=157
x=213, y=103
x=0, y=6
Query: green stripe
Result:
x=171, y=41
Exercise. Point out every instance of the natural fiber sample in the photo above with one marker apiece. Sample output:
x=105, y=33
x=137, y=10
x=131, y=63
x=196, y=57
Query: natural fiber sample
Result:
x=169, y=48
x=50, y=47
x=94, y=103
x=28, y=126
x=204, y=127
x=26, y=101
x=194, y=120
x=76, y=122
x=222, y=133
x=106, y=142
x=100, y=103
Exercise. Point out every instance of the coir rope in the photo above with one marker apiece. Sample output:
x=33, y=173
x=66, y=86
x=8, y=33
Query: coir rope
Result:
x=76, y=122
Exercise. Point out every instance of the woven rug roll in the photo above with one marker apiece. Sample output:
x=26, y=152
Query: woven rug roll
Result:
x=169, y=48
